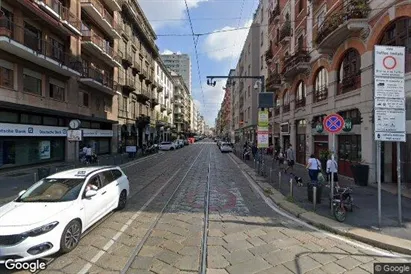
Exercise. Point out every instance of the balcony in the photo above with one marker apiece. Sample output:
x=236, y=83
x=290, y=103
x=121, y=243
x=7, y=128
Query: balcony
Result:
x=163, y=107
x=100, y=48
x=178, y=120
x=273, y=82
x=122, y=113
x=285, y=33
x=136, y=67
x=166, y=95
x=154, y=101
x=178, y=103
x=143, y=95
x=275, y=15
x=178, y=95
x=299, y=102
x=114, y=5
x=349, y=83
x=276, y=111
x=341, y=24
x=286, y=108
x=55, y=9
x=127, y=59
x=150, y=78
x=98, y=79
x=296, y=64
x=129, y=83
x=17, y=41
x=169, y=110
x=269, y=55
x=160, y=87
x=143, y=73
x=101, y=16
x=320, y=94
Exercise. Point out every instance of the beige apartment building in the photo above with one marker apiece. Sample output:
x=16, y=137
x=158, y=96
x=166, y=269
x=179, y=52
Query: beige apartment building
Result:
x=181, y=106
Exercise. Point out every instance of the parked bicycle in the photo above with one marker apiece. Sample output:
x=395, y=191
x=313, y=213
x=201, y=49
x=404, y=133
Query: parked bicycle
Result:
x=342, y=202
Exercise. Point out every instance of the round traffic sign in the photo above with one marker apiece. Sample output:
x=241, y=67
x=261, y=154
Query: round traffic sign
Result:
x=389, y=62
x=333, y=123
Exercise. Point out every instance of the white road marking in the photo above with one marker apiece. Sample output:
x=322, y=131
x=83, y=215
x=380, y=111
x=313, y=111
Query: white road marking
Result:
x=274, y=207
x=87, y=267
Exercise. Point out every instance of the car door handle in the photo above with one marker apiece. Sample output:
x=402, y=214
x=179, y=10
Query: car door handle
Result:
x=117, y=184
x=103, y=193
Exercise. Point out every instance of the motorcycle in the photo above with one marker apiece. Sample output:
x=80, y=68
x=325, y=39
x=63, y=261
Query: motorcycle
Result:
x=342, y=202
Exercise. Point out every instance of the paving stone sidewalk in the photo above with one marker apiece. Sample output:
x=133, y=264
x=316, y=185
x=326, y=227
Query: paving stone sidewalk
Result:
x=365, y=214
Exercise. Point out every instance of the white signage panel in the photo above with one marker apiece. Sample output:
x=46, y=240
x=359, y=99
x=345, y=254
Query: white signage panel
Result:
x=263, y=129
x=47, y=131
x=390, y=137
x=262, y=140
x=391, y=103
x=44, y=150
x=390, y=120
x=389, y=88
x=389, y=61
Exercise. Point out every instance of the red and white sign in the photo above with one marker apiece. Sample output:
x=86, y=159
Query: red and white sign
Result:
x=389, y=61
x=333, y=123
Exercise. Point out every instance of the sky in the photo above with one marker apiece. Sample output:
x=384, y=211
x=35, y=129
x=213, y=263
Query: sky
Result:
x=217, y=53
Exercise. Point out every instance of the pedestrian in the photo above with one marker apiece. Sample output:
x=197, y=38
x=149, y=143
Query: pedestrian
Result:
x=254, y=150
x=290, y=158
x=89, y=153
x=332, y=167
x=314, y=168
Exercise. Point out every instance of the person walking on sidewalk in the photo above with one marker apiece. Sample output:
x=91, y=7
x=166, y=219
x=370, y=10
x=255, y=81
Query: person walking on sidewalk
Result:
x=332, y=167
x=314, y=168
x=290, y=158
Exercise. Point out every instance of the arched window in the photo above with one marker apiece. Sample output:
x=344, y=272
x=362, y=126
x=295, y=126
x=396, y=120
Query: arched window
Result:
x=300, y=95
x=349, y=78
x=286, y=101
x=399, y=34
x=321, y=85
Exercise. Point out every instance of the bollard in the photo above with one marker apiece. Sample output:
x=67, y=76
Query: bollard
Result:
x=35, y=177
x=315, y=197
x=291, y=187
x=271, y=173
x=254, y=164
x=279, y=180
x=98, y=162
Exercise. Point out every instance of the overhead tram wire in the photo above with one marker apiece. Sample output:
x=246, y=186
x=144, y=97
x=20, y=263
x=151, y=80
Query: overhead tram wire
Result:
x=195, y=49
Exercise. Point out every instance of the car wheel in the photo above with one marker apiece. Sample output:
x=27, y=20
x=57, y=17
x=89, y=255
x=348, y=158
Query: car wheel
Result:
x=70, y=237
x=122, y=200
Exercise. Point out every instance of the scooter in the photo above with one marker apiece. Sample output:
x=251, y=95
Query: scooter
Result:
x=342, y=202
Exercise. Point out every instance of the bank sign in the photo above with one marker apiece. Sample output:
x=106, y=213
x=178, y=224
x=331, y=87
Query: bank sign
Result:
x=19, y=130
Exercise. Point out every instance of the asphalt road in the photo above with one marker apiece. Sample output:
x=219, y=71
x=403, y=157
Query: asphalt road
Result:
x=161, y=229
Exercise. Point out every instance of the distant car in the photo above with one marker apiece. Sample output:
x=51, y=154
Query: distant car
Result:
x=167, y=146
x=180, y=143
x=186, y=142
x=51, y=215
x=226, y=147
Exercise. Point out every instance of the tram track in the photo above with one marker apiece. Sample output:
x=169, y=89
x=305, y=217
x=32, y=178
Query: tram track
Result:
x=163, y=165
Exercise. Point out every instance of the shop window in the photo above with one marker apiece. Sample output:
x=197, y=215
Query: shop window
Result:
x=353, y=114
x=85, y=124
x=9, y=117
x=349, y=148
x=50, y=121
x=399, y=34
x=321, y=85
x=349, y=77
x=56, y=92
x=95, y=125
x=30, y=119
x=32, y=82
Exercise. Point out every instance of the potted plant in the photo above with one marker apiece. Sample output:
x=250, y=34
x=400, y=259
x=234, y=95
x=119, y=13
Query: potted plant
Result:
x=360, y=172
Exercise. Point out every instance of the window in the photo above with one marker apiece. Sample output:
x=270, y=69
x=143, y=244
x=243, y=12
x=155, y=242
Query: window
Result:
x=8, y=19
x=353, y=114
x=32, y=82
x=249, y=91
x=300, y=95
x=349, y=78
x=321, y=85
x=57, y=50
x=32, y=37
x=9, y=117
x=286, y=101
x=399, y=34
x=6, y=77
x=106, y=177
x=349, y=147
x=300, y=43
x=320, y=19
x=300, y=5
x=262, y=61
x=56, y=90
x=30, y=119
x=262, y=38
x=84, y=99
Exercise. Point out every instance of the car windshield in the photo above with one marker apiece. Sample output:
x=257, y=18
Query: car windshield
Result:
x=52, y=190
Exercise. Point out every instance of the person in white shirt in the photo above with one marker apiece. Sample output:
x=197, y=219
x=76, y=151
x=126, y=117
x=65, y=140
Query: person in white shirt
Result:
x=332, y=166
x=314, y=167
x=89, y=153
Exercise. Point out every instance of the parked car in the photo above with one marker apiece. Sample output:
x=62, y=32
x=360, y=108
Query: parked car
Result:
x=167, y=146
x=186, y=142
x=180, y=143
x=51, y=215
x=226, y=147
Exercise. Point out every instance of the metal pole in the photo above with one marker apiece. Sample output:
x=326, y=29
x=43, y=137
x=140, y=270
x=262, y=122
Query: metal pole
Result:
x=399, y=182
x=379, y=181
x=315, y=197
x=271, y=173
x=35, y=177
x=279, y=180
x=291, y=187
x=332, y=175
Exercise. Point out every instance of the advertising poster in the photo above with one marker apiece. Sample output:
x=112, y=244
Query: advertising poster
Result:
x=44, y=150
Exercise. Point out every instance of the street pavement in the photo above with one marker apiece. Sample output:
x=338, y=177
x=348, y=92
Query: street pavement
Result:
x=161, y=229
x=365, y=213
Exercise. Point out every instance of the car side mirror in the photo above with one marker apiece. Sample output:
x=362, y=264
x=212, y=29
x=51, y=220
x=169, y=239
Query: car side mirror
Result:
x=22, y=192
x=91, y=193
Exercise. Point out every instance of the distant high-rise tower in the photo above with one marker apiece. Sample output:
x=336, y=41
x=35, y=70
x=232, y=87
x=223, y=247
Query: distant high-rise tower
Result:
x=180, y=64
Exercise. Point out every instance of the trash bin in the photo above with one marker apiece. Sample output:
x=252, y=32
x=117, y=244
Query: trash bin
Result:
x=43, y=172
x=310, y=193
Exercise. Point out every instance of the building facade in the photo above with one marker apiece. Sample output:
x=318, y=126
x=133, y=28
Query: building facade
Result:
x=194, y=115
x=321, y=62
x=51, y=75
x=181, y=107
x=180, y=64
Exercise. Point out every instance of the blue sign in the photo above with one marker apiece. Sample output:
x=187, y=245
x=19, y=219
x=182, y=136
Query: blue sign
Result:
x=333, y=123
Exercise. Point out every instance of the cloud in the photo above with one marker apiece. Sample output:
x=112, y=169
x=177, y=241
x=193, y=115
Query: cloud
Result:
x=167, y=52
x=157, y=11
x=213, y=96
x=228, y=44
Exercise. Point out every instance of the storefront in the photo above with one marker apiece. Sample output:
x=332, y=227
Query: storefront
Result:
x=22, y=144
x=301, y=141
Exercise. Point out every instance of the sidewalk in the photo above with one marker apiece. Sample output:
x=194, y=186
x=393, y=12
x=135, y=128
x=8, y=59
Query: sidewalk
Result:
x=365, y=214
x=13, y=181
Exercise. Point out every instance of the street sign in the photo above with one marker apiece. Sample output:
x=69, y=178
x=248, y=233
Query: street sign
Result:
x=389, y=120
x=347, y=125
x=263, y=129
x=389, y=87
x=389, y=103
x=333, y=123
x=390, y=137
x=389, y=61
